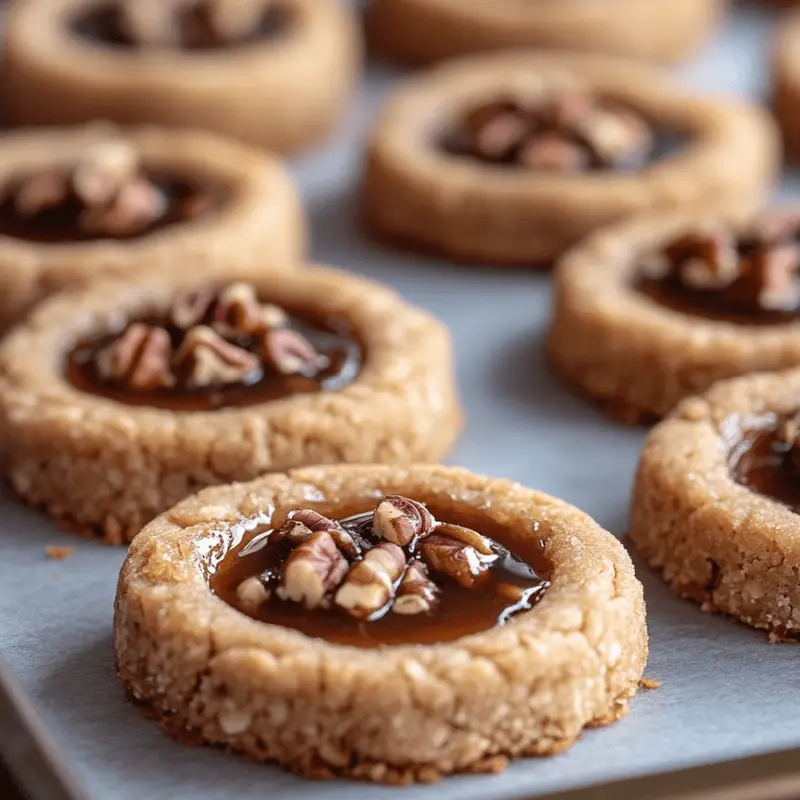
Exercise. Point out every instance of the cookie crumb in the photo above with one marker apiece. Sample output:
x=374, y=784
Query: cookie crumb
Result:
x=58, y=552
x=649, y=683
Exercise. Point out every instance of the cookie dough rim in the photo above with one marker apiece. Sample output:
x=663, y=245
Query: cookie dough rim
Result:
x=168, y=549
x=713, y=423
x=39, y=346
x=402, y=152
x=249, y=176
x=549, y=26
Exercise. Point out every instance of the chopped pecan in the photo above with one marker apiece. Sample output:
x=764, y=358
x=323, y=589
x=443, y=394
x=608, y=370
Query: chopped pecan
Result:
x=313, y=569
x=306, y=518
x=207, y=359
x=40, y=193
x=775, y=270
x=495, y=131
x=615, y=136
x=369, y=584
x=401, y=520
x=553, y=151
x=234, y=20
x=416, y=593
x=467, y=536
x=103, y=170
x=137, y=205
x=191, y=308
x=290, y=353
x=139, y=358
x=788, y=432
x=238, y=310
x=706, y=260
x=455, y=559
x=251, y=593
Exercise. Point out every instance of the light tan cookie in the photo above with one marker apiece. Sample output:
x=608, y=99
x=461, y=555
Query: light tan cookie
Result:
x=78, y=204
x=119, y=400
x=394, y=713
x=277, y=74
x=786, y=80
x=422, y=31
x=716, y=501
x=660, y=308
x=457, y=162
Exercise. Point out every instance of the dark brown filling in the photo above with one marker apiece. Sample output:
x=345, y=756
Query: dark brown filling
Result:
x=217, y=349
x=767, y=459
x=750, y=278
x=570, y=131
x=390, y=576
x=190, y=26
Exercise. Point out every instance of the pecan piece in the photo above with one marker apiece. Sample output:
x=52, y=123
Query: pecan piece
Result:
x=401, y=520
x=251, y=593
x=616, y=136
x=137, y=205
x=301, y=520
x=210, y=360
x=553, y=151
x=455, y=559
x=369, y=584
x=704, y=260
x=103, y=170
x=139, y=358
x=191, y=308
x=467, y=536
x=416, y=593
x=496, y=130
x=776, y=272
x=234, y=20
x=40, y=193
x=312, y=570
x=290, y=353
x=238, y=310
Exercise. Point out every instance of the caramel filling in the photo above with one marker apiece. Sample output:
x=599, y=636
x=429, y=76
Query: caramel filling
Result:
x=190, y=25
x=106, y=194
x=390, y=576
x=750, y=278
x=216, y=348
x=566, y=131
x=767, y=459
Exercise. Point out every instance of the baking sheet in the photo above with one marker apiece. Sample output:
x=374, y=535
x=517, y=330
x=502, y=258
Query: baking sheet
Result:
x=726, y=692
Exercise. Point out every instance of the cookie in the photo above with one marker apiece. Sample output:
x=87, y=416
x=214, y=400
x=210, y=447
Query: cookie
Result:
x=507, y=622
x=424, y=31
x=716, y=501
x=514, y=157
x=786, y=80
x=119, y=400
x=660, y=308
x=274, y=73
x=80, y=203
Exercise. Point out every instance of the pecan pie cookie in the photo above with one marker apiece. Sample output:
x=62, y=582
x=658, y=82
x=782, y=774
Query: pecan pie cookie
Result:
x=275, y=73
x=786, y=77
x=79, y=203
x=658, y=309
x=393, y=624
x=514, y=157
x=119, y=400
x=422, y=31
x=717, y=497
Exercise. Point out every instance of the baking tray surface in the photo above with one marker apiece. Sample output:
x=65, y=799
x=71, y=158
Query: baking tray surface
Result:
x=726, y=692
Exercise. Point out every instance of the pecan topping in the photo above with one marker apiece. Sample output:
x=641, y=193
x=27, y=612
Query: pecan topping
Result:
x=139, y=359
x=191, y=23
x=401, y=521
x=209, y=360
x=312, y=570
x=238, y=310
x=369, y=584
x=416, y=593
x=290, y=353
x=251, y=593
x=565, y=131
x=467, y=536
x=758, y=271
x=303, y=520
x=106, y=188
x=455, y=559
